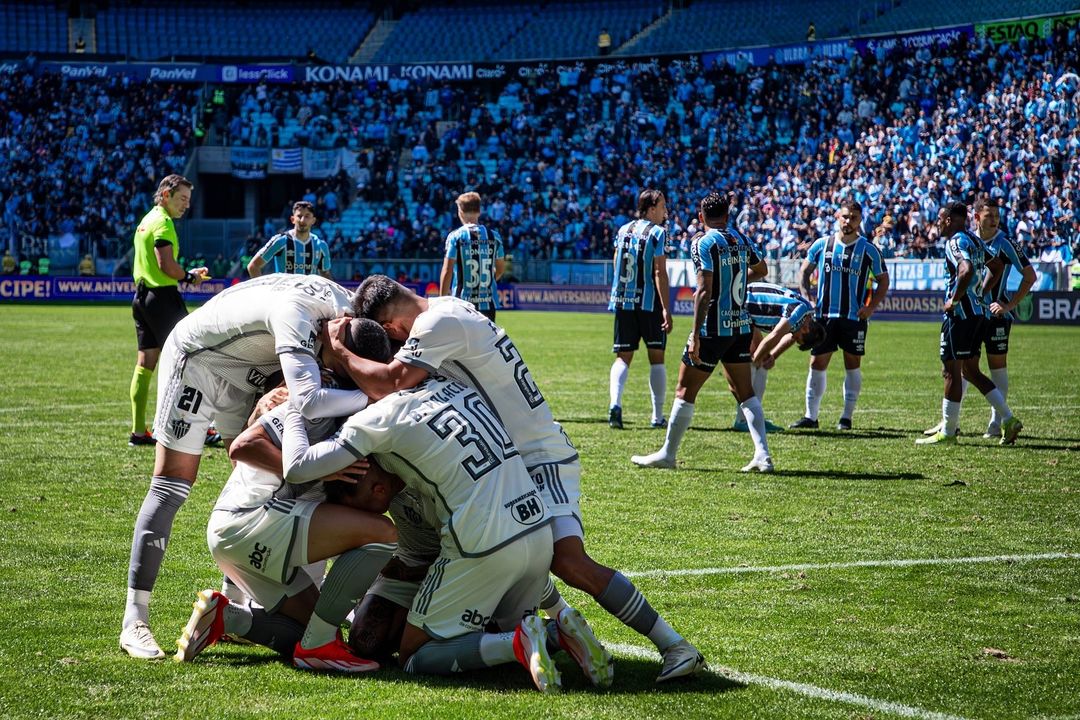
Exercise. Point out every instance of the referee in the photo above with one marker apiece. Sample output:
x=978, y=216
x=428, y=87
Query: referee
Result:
x=157, y=305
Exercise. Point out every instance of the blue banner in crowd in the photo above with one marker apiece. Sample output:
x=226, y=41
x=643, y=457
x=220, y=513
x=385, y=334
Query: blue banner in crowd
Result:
x=249, y=163
x=797, y=53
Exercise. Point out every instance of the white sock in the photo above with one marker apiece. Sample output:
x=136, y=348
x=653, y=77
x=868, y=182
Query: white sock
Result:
x=658, y=390
x=964, y=387
x=497, y=648
x=138, y=606
x=997, y=401
x=758, y=378
x=815, y=390
x=1000, y=376
x=619, y=371
x=237, y=619
x=681, y=415
x=852, y=388
x=663, y=635
x=755, y=421
x=318, y=633
x=950, y=412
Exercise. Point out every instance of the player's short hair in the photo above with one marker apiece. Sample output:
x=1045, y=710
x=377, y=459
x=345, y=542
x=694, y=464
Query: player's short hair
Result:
x=338, y=491
x=170, y=183
x=647, y=200
x=984, y=202
x=815, y=334
x=375, y=295
x=367, y=339
x=956, y=208
x=852, y=206
x=714, y=206
x=469, y=203
x=302, y=205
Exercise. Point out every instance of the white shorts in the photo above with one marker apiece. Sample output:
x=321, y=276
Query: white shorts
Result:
x=560, y=486
x=399, y=592
x=264, y=550
x=462, y=595
x=190, y=397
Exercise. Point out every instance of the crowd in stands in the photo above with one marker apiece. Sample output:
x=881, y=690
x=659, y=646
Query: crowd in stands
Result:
x=84, y=157
x=902, y=132
x=559, y=159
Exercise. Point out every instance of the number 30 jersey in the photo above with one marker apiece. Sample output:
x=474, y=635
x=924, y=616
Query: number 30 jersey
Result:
x=475, y=249
x=452, y=339
x=445, y=443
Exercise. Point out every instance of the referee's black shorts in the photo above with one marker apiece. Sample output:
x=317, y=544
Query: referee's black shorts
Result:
x=156, y=312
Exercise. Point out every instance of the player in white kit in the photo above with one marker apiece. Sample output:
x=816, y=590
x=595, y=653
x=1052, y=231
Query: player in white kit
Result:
x=447, y=336
x=446, y=444
x=264, y=532
x=214, y=364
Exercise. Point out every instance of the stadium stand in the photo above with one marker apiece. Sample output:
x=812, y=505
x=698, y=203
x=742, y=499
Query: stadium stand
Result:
x=198, y=29
x=39, y=27
x=559, y=158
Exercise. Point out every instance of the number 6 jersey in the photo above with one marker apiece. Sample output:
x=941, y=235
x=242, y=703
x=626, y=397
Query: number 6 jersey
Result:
x=452, y=339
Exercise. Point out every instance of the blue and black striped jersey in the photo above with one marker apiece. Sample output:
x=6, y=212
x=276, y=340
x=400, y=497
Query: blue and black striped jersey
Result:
x=843, y=273
x=768, y=304
x=475, y=249
x=285, y=254
x=637, y=244
x=960, y=247
x=728, y=257
x=1012, y=254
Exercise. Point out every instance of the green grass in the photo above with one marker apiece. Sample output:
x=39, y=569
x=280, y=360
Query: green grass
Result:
x=913, y=636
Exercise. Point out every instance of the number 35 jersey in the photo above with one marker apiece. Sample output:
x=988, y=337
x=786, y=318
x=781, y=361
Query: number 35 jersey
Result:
x=444, y=442
x=452, y=339
x=475, y=249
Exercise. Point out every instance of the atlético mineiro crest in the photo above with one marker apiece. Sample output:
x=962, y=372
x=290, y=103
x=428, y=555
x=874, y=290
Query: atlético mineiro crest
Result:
x=180, y=428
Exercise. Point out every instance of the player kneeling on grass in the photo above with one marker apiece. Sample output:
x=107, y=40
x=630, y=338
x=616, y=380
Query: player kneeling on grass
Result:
x=264, y=530
x=441, y=440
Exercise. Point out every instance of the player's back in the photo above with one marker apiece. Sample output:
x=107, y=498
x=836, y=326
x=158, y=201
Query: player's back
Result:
x=475, y=249
x=960, y=247
x=637, y=244
x=245, y=327
x=250, y=487
x=454, y=340
x=445, y=442
x=768, y=303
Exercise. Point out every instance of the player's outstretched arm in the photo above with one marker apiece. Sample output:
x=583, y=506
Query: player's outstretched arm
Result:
x=303, y=462
x=304, y=380
x=255, y=448
x=771, y=341
x=375, y=378
x=447, y=275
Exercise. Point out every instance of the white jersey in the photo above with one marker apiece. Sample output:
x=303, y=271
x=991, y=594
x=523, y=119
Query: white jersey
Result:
x=249, y=487
x=445, y=443
x=240, y=332
x=452, y=339
x=417, y=523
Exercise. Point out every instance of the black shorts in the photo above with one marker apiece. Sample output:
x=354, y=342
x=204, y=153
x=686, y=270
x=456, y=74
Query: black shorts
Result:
x=489, y=314
x=961, y=339
x=634, y=325
x=715, y=350
x=847, y=335
x=156, y=312
x=996, y=335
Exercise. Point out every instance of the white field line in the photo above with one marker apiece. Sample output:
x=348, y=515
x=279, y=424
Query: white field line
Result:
x=811, y=691
x=856, y=564
x=54, y=408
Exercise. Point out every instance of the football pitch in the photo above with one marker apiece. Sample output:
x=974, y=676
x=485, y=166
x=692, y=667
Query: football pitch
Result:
x=865, y=578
